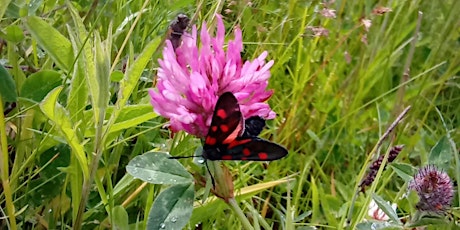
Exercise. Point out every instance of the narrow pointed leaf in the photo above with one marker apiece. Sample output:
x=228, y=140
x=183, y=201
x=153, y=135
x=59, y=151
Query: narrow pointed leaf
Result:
x=131, y=116
x=315, y=200
x=386, y=208
x=102, y=60
x=61, y=118
x=78, y=93
x=135, y=71
x=405, y=171
x=3, y=7
x=51, y=40
x=87, y=60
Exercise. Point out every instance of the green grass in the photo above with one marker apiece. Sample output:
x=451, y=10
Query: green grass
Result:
x=77, y=124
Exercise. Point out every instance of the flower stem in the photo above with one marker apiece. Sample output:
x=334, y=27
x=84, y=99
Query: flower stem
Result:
x=416, y=217
x=4, y=171
x=239, y=213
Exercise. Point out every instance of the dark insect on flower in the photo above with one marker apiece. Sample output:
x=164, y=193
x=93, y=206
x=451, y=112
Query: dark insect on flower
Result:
x=434, y=188
x=253, y=126
x=226, y=142
x=225, y=139
x=177, y=28
x=374, y=168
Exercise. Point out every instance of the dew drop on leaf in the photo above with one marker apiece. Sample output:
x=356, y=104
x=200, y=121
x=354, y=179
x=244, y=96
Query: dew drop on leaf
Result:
x=173, y=219
x=162, y=225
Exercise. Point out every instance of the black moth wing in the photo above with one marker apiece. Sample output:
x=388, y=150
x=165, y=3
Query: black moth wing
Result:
x=254, y=149
x=226, y=124
x=225, y=139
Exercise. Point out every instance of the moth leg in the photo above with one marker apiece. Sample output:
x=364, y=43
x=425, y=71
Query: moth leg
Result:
x=210, y=174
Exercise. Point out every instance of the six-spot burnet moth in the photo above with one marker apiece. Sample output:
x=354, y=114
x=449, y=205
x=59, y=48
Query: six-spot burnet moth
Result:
x=227, y=139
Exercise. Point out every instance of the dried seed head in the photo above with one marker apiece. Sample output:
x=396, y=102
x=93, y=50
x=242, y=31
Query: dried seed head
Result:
x=381, y=10
x=374, y=168
x=328, y=13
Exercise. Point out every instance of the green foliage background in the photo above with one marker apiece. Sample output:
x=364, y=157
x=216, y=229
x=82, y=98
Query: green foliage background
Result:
x=78, y=73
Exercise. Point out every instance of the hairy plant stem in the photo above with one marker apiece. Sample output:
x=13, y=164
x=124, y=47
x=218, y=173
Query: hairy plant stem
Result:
x=93, y=169
x=224, y=190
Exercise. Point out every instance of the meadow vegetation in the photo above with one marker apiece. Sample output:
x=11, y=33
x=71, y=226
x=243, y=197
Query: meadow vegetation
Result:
x=75, y=112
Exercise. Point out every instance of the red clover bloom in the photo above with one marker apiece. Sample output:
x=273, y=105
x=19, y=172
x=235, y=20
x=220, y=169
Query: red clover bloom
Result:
x=434, y=188
x=195, y=74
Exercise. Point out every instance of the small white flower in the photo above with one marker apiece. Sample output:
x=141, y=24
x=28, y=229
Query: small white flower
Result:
x=376, y=213
x=366, y=23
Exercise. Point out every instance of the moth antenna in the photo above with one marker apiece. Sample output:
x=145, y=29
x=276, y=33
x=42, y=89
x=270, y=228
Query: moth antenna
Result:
x=182, y=157
x=205, y=162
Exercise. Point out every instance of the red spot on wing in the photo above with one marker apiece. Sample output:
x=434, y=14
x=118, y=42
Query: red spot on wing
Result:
x=226, y=157
x=224, y=128
x=246, y=152
x=263, y=156
x=244, y=158
x=210, y=140
x=221, y=114
x=214, y=128
x=238, y=142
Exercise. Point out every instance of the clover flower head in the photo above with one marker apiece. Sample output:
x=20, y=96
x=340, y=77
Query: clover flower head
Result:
x=192, y=77
x=434, y=188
